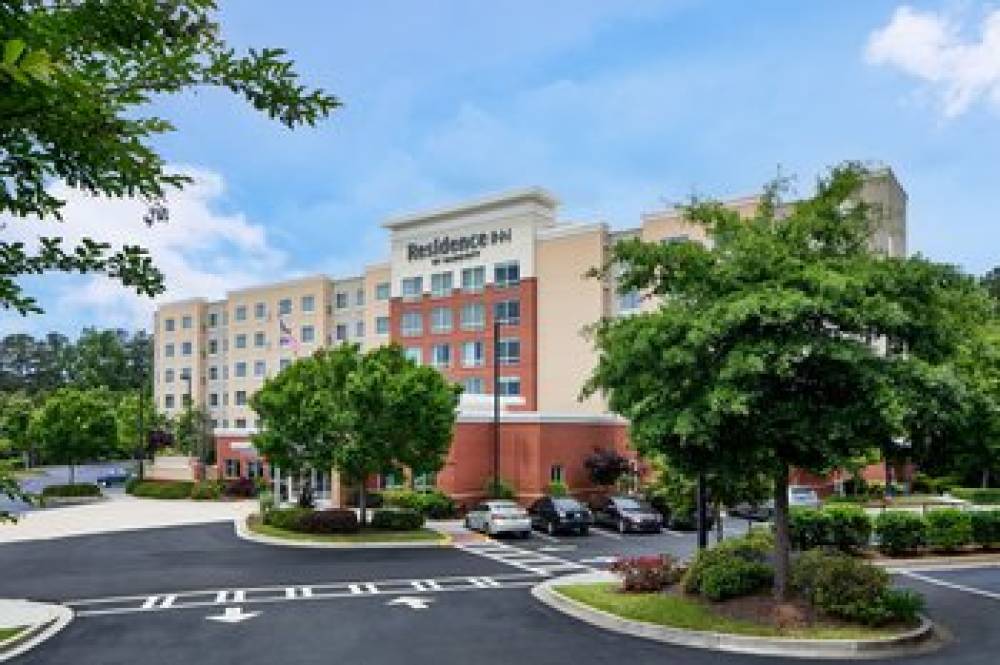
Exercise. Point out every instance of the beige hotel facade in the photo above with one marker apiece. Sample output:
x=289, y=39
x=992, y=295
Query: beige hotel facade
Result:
x=451, y=273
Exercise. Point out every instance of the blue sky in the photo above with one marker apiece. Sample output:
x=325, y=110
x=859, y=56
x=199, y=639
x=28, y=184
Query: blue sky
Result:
x=616, y=107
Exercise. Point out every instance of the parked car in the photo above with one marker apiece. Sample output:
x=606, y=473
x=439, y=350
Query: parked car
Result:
x=762, y=511
x=555, y=514
x=802, y=496
x=679, y=510
x=115, y=476
x=626, y=513
x=496, y=517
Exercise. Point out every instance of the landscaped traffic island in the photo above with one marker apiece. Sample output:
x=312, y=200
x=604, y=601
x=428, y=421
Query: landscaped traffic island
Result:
x=341, y=526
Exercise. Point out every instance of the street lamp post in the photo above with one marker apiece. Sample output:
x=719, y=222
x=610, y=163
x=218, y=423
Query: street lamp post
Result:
x=139, y=447
x=496, y=407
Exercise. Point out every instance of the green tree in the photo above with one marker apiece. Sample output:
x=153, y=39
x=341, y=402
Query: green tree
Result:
x=76, y=81
x=74, y=426
x=192, y=430
x=129, y=440
x=15, y=418
x=358, y=413
x=991, y=281
x=784, y=342
x=11, y=488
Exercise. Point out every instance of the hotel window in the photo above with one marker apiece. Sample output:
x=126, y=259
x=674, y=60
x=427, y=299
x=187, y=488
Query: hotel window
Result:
x=284, y=364
x=441, y=320
x=168, y=376
x=168, y=401
x=213, y=373
x=285, y=306
x=382, y=291
x=213, y=320
x=185, y=373
x=473, y=385
x=412, y=324
x=423, y=481
x=255, y=468
x=441, y=355
x=308, y=303
x=473, y=316
x=412, y=287
x=441, y=284
x=506, y=274
x=241, y=313
x=259, y=340
x=260, y=311
x=213, y=347
x=232, y=468
x=359, y=297
x=225, y=423
x=308, y=334
x=414, y=353
x=507, y=312
x=186, y=323
x=341, y=333
x=240, y=423
x=556, y=473
x=359, y=328
x=629, y=301
x=341, y=300
x=168, y=325
x=382, y=325
x=168, y=350
x=473, y=279
x=185, y=348
x=215, y=423
x=240, y=342
x=510, y=386
x=509, y=351
x=240, y=370
x=259, y=368
x=472, y=354
x=240, y=399
x=213, y=399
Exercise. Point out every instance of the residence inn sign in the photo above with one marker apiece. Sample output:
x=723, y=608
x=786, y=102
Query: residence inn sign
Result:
x=446, y=249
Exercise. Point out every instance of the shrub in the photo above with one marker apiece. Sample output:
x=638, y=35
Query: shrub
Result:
x=900, y=532
x=161, y=489
x=850, y=529
x=736, y=578
x=265, y=501
x=206, y=490
x=647, y=573
x=852, y=589
x=329, y=521
x=985, y=527
x=74, y=490
x=755, y=548
x=948, y=529
x=395, y=519
x=847, y=499
x=245, y=488
x=289, y=519
x=558, y=488
x=499, y=489
x=809, y=528
x=982, y=496
x=433, y=504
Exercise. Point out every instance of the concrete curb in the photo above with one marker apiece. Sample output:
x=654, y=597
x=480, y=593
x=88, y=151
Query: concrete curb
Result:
x=36, y=634
x=912, y=642
x=244, y=532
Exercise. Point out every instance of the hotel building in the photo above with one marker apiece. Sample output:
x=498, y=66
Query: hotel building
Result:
x=454, y=275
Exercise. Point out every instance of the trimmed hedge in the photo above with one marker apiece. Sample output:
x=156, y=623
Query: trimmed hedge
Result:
x=900, y=532
x=809, y=528
x=706, y=574
x=397, y=519
x=433, y=504
x=985, y=527
x=304, y=520
x=74, y=490
x=845, y=527
x=160, y=489
x=948, y=529
x=207, y=490
x=736, y=577
x=983, y=496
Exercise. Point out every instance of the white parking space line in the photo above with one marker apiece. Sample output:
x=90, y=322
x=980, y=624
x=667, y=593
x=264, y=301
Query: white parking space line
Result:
x=529, y=560
x=606, y=534
x=675, y=534
x=950, y=585
x=545, y=536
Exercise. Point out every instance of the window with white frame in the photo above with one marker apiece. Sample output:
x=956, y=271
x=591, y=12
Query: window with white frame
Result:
x=213, y=399
x=473, y=385
x=415, y=353
x=359, y=328
x=309, y=303
x=425, y=481
x=412, y=324
x=382, y=291
x=260, y=311
x=412, y=287
x=507, y=312
x=259, y=368
x=441, y=284
x=506, y=274
x=168, y=350
x=284, y=363
x=509, y=351
x=382, y=325
x=168, y=325
x=168, y=376
x=168, y=401
x=240, y=398
x=185, y=348
x=186, y=322
x=285, y=306
x=510, y=386
x=441, y=355
x=240, y=370
x=213, y=373
x=441, y=320
x=232, y=468
x=308, y=334
x=213, y=347
x=240, y=313
x=341, y=332
x=359, y=297
x=213, y=320
x=240, y=341
x=240, y=423
x=340, y=300
x=473, y=279
x=472, y=354
x=473, y=316
x=259, y=340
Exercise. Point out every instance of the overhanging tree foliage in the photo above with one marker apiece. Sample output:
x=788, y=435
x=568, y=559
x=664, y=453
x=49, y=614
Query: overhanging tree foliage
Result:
x=785, y=342
x=76, y=80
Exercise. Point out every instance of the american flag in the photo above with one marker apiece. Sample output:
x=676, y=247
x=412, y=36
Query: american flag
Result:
x=287, y=338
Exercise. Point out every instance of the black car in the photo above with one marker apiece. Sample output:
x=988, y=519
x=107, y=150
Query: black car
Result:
x=554, y=514
x=115, y=476
x=626, y=513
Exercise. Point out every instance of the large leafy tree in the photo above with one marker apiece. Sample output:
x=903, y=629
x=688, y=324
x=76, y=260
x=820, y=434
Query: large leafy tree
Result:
x=11, y=488
x=784, y=342
x=74, y=426
x=358, y=413
x=76, y=81
x=15, y=418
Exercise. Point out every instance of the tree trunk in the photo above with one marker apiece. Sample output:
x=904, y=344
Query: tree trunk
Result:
x=362, y=504
x=782, y=539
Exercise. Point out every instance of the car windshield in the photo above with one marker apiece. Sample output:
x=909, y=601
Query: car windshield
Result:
x=630, y=504
x=567, y=504
x=505, y=508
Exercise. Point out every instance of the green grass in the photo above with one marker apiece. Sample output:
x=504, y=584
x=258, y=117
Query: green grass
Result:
x=678, y=612
x=7, y=633
x=367, y=535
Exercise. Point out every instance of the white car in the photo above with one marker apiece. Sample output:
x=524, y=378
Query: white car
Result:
x=802, y=496
x=495, y=517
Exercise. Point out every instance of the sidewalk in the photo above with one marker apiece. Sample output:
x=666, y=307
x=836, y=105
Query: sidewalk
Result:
x=120, y=513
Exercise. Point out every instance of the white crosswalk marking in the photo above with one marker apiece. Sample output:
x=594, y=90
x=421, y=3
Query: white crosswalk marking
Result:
x=307, y=592
x=484, y=582
x=426, y=585
x=290, y=592
x=150, y=602
x=221, y=596
x=363, y=588
x=239, y=596
x=530, y=560
x=168, y=601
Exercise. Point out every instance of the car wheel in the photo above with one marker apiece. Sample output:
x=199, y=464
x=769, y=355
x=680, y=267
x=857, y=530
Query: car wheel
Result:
x=622, y=527
x=551, y=528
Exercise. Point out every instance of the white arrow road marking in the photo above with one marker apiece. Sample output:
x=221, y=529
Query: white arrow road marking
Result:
x=413, y=602
x=233, y=615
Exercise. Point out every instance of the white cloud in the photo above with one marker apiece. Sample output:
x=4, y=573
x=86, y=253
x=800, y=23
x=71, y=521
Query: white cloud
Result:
x=930, y=46
x=202, y=252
